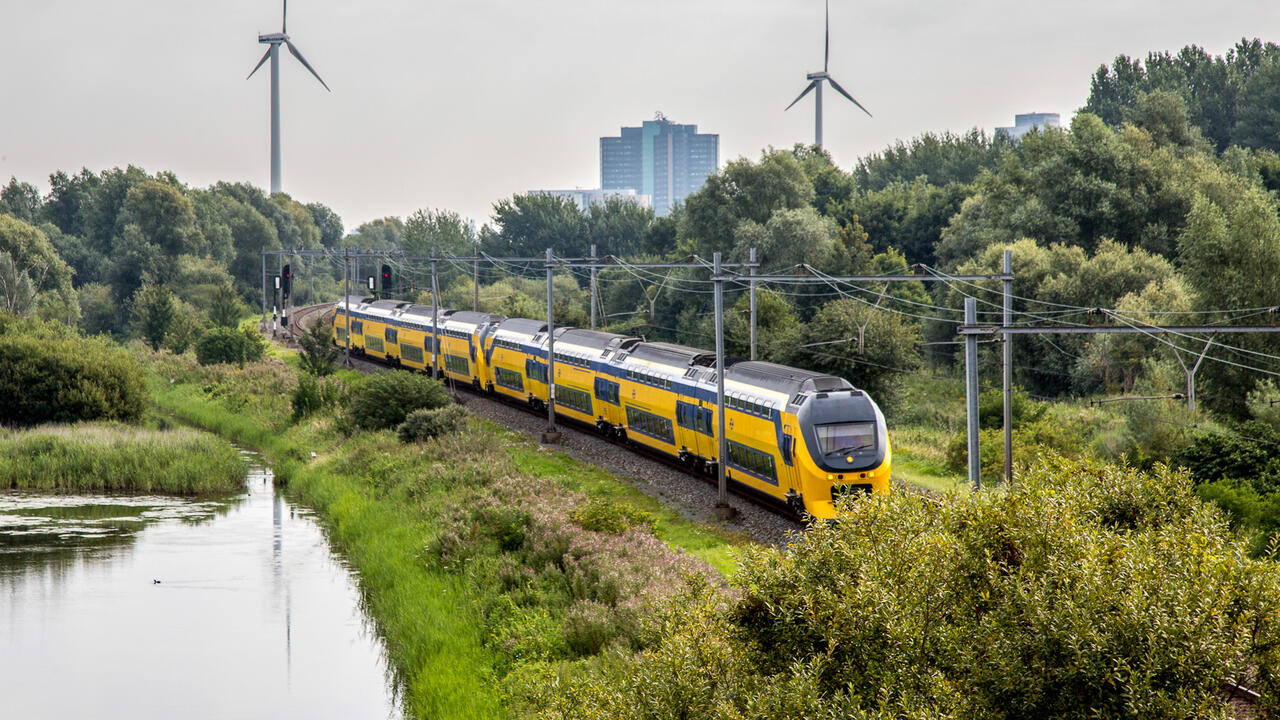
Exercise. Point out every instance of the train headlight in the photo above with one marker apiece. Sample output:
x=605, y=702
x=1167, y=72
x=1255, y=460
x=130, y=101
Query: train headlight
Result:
x=831, y=477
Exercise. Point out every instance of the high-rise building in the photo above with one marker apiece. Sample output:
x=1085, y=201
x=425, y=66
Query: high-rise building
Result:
x=1023, y=124
x=661, y=159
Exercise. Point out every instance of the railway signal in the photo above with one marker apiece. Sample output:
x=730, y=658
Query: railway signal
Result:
x=386, y=282
x=286, y=284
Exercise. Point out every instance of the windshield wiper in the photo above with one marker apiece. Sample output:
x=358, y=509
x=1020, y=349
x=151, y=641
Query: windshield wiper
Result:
x=851, y=448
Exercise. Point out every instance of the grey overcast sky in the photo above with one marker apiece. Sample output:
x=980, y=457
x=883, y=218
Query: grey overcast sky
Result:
x=455, y=104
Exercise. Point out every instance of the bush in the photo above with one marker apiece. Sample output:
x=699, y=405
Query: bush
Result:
x=384, y=400
x=66, y=379
x=314, y=394
x=1083, y=591
x=1024, y=409
x=610, y=517
x=229, y=345
x=1029, y=442
x=1246, y=452
x=424, y=424
x=319, y=355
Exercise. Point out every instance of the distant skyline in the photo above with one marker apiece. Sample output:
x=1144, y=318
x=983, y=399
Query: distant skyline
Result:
x=458, y=104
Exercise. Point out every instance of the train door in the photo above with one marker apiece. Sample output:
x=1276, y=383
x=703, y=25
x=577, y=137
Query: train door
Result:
x=787, y=478
x=706, y=422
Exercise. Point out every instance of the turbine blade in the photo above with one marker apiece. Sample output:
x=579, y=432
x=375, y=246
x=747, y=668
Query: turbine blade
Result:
x=306, y=64
x=826, y=55
x=284, y=19
x=807, y=90
x=265, y=55
x=841, y=90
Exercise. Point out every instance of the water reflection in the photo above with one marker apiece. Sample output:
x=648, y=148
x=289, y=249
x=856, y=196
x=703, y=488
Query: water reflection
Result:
x=157, y=607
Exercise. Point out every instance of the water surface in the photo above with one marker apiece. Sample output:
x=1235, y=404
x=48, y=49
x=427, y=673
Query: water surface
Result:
x=152, y=607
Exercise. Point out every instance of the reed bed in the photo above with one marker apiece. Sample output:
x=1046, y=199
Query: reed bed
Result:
x=112, y=457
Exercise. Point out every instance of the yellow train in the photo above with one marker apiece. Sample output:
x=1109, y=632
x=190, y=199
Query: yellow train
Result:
x=798, y=437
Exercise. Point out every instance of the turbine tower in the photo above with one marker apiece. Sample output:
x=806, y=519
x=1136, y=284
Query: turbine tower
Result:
x=815, y=82
x=275, y=40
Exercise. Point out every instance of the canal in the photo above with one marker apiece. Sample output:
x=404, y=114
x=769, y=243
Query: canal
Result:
x=157, y=607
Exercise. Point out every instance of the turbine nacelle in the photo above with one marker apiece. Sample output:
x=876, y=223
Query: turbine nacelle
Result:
x=273, y=38
x=817, y=76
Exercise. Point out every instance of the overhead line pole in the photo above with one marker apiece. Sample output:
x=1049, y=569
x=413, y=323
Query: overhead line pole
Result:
x=722, y=501
x=593, y=287
x=550, y=435
x=971, y=394
x=752, y=291
x=346, y=297
x=435, y=314
x=1007, y=374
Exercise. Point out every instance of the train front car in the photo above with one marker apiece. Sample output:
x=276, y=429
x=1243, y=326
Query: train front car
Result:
x=831, y=437
x=845, y=443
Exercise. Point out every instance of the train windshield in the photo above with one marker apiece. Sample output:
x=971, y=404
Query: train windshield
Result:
x=845, y=437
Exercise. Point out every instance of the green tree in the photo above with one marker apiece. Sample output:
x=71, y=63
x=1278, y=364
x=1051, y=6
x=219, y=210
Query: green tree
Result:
x=792, y=237
x=869, y=346
x=1230, y=255
x=618, y=226
x=529, y=224
x=154, y=311
x=21, y=200
x=328, y=223
x=742, y=191
x=226, y=308
x=50, y=277
x=17, y=292
x=937, y=159
x=163, y=215
x=831, y=185
x=437, y=232
x=184, y=330
x=319, y=354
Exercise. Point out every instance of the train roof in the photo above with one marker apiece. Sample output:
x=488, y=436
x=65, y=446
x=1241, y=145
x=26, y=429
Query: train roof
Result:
x=524, y=326
x=681, y=356
x=388, y=305
x=782, y=378
x=475, y=318
x=597, y=339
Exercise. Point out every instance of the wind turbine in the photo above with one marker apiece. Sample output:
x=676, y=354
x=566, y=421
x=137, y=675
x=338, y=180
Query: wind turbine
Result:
x=815, y=82
x=275, y=40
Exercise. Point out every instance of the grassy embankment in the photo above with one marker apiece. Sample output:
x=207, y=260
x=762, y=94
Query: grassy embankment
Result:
x=480, y=555
x=112, y=457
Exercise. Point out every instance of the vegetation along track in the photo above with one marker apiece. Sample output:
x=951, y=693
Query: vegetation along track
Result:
x=661, y=478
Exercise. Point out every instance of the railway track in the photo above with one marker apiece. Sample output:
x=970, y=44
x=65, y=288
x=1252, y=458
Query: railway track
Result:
x=764, y=521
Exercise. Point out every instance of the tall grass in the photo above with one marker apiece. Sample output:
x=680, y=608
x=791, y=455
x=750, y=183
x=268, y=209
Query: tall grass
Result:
x=108, y=457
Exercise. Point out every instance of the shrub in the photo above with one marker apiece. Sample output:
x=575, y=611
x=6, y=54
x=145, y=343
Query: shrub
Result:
x=229, y=345
x=1029, y=442
x=314, y=394
x=610, y=517
x=1024, y=410
x=384, y=400
x=424, y=424
x=1245, y=452
x=1083, y=591
x=319, y=355
x=66, y=379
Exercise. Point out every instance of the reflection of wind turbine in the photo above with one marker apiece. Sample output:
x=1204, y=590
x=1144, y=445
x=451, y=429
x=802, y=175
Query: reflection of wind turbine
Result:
x=273, y=52
x=815, y=82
